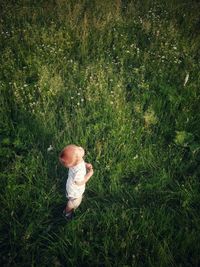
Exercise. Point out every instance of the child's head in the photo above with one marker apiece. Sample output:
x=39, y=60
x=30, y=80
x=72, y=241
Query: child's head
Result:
x=71, y=155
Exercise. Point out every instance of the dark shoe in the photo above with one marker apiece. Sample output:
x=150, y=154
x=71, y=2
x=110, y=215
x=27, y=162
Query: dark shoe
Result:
x=68, y=215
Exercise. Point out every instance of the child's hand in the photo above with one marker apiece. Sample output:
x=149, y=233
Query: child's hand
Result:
x=89, y=168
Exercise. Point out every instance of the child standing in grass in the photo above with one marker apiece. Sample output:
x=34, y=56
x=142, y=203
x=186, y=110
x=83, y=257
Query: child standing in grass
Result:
x=79, y=173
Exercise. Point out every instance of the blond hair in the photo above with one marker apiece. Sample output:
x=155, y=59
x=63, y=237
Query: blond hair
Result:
x=76, y=152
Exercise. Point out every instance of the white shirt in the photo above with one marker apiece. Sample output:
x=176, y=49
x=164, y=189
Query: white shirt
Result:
x=75, y=173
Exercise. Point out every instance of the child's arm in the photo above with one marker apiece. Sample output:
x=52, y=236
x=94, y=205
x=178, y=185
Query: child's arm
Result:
x=87, y=176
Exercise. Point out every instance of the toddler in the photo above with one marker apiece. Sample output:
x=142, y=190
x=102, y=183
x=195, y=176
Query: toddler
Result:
x=79, y=173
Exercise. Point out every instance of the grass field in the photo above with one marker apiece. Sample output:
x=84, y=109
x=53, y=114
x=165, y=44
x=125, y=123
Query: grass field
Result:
x=120, y=78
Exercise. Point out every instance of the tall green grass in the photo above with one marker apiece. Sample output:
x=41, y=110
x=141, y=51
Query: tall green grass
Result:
x=109, y=76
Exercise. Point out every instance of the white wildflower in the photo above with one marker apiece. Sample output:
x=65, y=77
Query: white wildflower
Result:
x=50, y=148
x=136, y=156
x=186, y=79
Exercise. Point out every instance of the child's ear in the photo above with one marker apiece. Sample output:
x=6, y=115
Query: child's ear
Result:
x=82, y=151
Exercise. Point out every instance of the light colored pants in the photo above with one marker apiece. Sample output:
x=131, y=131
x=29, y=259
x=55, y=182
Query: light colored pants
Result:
x=73, y=203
